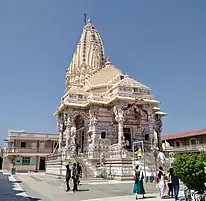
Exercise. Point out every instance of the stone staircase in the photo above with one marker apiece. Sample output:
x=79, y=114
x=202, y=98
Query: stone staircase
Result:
x=56, y=165
x=87, y=169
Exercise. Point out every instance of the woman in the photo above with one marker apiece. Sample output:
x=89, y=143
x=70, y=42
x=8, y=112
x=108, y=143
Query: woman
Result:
x=161, y=182
x=138, y=185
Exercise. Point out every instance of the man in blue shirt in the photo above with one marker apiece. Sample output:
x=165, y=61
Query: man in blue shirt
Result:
x=175, y=183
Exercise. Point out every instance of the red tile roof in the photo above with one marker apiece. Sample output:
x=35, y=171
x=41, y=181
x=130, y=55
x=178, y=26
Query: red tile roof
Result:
x=184, y=134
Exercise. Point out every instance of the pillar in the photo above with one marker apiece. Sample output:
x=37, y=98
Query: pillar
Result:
x=120, y=130
x=60, y=139
x=73, y=136
x=119, y=116
x=60, y=130
x=68, y=133
x=92, y=128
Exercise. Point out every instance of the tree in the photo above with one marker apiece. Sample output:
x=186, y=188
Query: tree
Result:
x=190, y=170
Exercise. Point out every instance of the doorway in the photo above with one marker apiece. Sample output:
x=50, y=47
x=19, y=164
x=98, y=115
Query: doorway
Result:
x=42, y=164
x=1, y=162
x=128, y=138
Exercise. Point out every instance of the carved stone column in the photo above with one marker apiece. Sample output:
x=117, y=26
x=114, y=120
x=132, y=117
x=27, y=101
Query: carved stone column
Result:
x=158, y=129
x=119, y=117
x=92, y=128
x=60, y=130
x=68, y=132
x=73, y=137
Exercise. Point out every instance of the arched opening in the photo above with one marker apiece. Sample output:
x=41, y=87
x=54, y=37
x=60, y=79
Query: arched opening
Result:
x=177, y=144
x=80, y=140
x=193, y=141
x=1, y=162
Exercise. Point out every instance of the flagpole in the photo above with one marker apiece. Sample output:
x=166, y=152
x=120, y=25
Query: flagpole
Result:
x=85, y=18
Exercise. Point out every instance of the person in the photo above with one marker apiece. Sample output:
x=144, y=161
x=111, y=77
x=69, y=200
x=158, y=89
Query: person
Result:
x=75, y=177
x=138, y=184
x=161, y=182
x=175, y=184
x=169, y=183
x=68, y=177
x=79, y=169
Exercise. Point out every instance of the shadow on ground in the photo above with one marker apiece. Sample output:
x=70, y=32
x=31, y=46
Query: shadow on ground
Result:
x=8, y=191
x=150, y=196
x=83, y=190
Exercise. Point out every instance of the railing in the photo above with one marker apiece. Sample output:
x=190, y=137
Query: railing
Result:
x=193, y=196
x=54, y=156
x=87, y=172
x=188, y=148
x=29, y=150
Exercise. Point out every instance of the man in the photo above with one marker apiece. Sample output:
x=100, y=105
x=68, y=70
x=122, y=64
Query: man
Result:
x=68, y=177
x=75, y=177
x=175, y=184
x=79, y=169
x=169, y=183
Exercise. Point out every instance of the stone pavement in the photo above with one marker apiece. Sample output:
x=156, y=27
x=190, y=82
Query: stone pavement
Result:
x=10, y=190
x=50, y=189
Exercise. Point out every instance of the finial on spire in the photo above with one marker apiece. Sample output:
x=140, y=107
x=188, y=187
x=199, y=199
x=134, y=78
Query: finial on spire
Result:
x=108, y=61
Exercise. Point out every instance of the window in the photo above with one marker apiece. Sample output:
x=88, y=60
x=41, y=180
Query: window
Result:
x=103, y=135
x=26, y=161
x=193, y=141
x=121, y=77
x=177, y=143
x=23, y=144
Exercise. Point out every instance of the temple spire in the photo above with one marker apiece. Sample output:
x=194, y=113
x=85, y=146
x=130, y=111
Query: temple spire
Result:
x=88, y=57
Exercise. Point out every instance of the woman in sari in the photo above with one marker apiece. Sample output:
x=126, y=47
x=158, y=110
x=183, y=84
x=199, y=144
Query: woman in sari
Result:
x=161, y=182
x=138, y=185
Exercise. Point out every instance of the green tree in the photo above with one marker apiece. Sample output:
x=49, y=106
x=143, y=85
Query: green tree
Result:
x=190, y=170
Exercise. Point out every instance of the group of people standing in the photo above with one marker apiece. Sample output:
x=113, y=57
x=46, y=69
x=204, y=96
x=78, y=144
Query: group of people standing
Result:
x=74, y=173
x=168, y=181
x=164, y=181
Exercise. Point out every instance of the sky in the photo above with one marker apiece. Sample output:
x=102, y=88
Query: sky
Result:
x=160, y=43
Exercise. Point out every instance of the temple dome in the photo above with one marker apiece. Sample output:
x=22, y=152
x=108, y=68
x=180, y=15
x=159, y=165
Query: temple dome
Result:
x=130, y=82
x=106, y=76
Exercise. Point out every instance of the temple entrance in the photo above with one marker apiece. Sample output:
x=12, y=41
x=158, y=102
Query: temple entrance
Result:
x=128, y=138
x=1, y=162
x=80, y=133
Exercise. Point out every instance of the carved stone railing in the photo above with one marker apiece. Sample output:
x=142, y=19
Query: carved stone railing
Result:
x=85, y=169
x=55, y=156
x=193, y=196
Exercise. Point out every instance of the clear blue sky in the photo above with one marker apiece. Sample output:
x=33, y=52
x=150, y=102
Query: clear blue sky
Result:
x=160, y=43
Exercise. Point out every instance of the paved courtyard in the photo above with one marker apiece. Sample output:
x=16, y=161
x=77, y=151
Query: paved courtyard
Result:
x=43, y=188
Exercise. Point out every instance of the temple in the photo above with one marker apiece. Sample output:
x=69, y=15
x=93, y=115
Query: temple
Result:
x=102, y=113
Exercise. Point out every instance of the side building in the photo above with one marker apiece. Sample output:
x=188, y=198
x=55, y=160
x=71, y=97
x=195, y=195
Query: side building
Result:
x=27, y=151
x=192, y=141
